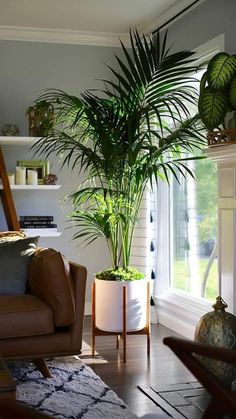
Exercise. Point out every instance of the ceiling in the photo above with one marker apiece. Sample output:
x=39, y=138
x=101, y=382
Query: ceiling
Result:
x=100, y=20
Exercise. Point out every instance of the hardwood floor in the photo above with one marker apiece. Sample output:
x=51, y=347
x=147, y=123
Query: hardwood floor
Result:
x=162, y=367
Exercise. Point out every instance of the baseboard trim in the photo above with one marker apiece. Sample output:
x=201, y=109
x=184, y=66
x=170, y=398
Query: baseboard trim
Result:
x=180, y=313
x=176, y=325
x=88, y=309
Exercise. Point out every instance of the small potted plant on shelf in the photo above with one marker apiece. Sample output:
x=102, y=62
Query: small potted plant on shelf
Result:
x=217, y=99
x=133, y=133
x=40, y=116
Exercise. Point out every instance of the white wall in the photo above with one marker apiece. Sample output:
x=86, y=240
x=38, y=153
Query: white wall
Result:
x=203, y=23
x=26, y=69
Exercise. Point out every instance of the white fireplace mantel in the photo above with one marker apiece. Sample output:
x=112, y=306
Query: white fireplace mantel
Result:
x=225, y=158
x=223, y=153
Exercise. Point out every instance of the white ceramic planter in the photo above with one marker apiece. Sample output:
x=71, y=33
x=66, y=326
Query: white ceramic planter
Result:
x=109, y=305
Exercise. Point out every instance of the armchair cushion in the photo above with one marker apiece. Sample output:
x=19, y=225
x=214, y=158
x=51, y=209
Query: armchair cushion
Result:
x=24, y=315
x=49, y=279
x=14, y=259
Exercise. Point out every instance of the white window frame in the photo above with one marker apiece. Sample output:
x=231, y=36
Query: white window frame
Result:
x=175, y=309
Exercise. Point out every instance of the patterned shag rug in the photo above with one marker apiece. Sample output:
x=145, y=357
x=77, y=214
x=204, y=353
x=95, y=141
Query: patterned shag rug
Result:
x=73, y=392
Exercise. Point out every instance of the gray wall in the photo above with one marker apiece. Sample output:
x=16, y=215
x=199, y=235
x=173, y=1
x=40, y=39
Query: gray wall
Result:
x=26, y=69
x=203, y=23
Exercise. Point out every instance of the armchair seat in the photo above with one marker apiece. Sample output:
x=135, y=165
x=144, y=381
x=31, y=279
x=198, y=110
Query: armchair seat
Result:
x=24, y=315
x=46, y=320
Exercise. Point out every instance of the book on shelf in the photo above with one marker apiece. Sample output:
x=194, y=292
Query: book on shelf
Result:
x=38, y=224
x=40, y=231
x=31, y=224
x=41, y=218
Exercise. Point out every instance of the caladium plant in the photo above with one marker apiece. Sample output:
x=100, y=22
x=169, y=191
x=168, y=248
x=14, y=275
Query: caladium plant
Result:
x=218, y=90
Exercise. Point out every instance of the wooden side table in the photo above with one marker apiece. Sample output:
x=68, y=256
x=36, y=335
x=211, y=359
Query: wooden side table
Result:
x=98, y=332
x=7, y=384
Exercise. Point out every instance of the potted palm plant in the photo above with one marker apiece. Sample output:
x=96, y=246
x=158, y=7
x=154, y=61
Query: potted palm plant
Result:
x=217, y=98
x=136, y=131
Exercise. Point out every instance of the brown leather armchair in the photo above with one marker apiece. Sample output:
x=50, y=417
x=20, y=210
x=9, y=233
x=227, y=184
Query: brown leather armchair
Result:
x=47, y=321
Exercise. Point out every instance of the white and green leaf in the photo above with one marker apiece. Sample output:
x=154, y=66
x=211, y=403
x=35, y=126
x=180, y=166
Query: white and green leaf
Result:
x=212, y=107
x=220, y=71
x=232, y=92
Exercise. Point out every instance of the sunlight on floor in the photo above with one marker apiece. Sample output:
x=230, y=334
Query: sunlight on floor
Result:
x=87, y=355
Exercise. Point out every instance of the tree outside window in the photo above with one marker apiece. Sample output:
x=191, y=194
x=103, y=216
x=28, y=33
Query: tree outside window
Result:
x=194, y=232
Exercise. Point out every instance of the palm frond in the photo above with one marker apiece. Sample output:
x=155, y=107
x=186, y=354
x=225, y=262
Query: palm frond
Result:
x=137, y=129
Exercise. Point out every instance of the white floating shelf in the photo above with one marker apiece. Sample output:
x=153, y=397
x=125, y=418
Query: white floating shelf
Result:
x=18, y=140
x=30, y=187
x=32, y=233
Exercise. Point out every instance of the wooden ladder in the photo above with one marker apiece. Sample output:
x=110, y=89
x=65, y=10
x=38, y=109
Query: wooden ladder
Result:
x=7, y=199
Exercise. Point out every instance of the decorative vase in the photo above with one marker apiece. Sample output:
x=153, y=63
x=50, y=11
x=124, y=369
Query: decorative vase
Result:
x=218, y=328
x=109, y=305
x=11, y=130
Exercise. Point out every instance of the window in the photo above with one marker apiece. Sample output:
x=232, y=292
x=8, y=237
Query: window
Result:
x=193, y=220
x=186, y=250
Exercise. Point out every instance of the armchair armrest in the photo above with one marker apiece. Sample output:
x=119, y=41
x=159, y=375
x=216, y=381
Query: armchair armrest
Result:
x=79, y=277
x=50, y=279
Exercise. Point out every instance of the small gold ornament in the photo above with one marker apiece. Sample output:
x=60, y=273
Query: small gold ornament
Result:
x=50, y=179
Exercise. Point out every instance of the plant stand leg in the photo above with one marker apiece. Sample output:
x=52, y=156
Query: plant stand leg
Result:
x=117, y=341
x=124, y=334
x=93, y=317
x=148, y=344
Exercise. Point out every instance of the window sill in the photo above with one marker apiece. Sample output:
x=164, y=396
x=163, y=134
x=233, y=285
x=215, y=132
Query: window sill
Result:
x=180, y=312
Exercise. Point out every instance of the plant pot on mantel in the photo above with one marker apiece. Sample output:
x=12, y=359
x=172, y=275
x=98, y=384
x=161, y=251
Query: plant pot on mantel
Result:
x=109, y=305
x=221, y=137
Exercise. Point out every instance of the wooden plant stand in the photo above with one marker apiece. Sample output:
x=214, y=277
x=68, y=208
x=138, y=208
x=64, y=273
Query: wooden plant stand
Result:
x=98, y=332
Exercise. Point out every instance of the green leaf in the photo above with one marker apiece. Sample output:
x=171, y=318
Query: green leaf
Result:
x=232, y=92
x=203, y=82
x=212, y=107
x=120, y=274
x=220, y=70
x=136, y=129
